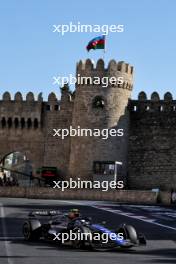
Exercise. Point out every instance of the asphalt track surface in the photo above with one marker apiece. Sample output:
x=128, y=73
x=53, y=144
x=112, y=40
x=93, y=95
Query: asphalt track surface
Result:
x=157, y=223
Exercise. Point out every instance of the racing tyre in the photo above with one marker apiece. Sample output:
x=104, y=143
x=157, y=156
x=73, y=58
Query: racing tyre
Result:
x=77, y=243
x=29, y=234
x=129, y=233
x=99, y=245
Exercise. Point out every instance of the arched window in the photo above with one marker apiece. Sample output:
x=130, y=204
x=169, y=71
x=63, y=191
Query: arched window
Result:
x=56, y=107
x=98, y=102
x=135, y=108
x=16, y=122
x=35, y=123
x=48, y=108
x=9, y=122
x=22, y=122
x=29, y=123
x=3, y=122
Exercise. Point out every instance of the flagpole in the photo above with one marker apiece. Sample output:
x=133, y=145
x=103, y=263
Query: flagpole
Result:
x=104, y=50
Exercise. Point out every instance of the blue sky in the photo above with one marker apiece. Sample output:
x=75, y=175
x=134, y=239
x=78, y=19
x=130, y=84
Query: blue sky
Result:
x=31, y=54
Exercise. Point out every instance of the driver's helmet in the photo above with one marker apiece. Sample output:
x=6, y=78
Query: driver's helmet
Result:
x=73, y=213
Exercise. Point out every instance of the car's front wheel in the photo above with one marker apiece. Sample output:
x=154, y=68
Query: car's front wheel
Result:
x=129, y=234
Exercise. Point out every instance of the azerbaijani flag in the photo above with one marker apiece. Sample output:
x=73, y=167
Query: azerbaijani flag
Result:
x=96, y=43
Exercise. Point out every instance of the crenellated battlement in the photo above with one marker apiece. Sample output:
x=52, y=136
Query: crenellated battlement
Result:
x=153, y=104
x=114, y=69
x=30, y=97
x=28, y=112
x=19, y=98
x=143, y=103
x=88, y=65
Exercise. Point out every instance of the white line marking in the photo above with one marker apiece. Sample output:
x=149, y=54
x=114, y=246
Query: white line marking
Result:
x=150, y=221
x=10, y=238
x=137, y=217
x=6, y=243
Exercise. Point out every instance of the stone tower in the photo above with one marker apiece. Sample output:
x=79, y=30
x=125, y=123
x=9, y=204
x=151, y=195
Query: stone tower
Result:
x=100, y=107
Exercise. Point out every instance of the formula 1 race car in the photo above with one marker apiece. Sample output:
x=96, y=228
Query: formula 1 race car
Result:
x=80, y=232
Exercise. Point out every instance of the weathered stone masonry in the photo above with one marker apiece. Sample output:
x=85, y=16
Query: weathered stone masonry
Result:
x=152, y=142
x=147, y=149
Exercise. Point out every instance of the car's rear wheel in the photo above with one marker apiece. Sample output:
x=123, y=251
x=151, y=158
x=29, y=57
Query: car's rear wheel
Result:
x=78, y=243
x=98, y=244
x=29, y=234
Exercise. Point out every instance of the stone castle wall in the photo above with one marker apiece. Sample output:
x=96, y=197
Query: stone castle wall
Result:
x=26, y=125
x=57, y=150
x=152, y=142
x=147, y=149
x=21, y=127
